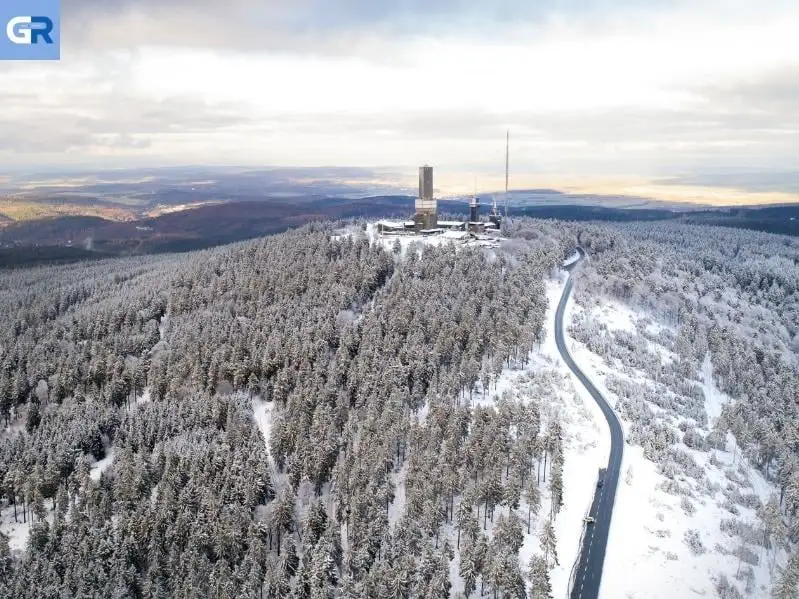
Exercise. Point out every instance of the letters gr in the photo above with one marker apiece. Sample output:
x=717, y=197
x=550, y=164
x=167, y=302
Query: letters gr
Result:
x=30, y=30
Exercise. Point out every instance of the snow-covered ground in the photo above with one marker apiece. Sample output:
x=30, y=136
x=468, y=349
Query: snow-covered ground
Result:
x=141, y=399
x=547, y=380
x=397, y=507
x=572, y=259
x=262, y=411
x=457, y=238
x=19, y=531
x=102, y=465
x=648, y=555
x=14, y=427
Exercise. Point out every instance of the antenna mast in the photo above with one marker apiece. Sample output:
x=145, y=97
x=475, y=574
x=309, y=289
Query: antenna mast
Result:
x=507, y=161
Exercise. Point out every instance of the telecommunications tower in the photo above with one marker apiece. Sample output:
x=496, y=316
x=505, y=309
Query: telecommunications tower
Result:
x=495, y=215
x=507, y=162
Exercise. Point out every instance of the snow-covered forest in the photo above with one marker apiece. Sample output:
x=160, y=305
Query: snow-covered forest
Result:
x=694, y=333
x=135, y=396
x=320, y=415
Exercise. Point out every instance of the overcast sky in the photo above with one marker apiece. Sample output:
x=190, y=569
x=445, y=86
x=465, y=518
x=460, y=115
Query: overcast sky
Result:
x=633, y=90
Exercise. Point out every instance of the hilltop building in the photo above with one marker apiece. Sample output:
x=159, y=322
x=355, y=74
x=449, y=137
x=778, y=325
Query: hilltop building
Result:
x=426, y=217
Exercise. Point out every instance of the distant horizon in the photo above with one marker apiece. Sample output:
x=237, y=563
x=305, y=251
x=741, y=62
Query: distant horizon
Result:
x=745, y=188
x=611, y=96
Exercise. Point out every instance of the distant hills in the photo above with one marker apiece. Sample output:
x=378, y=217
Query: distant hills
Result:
x=201, y=227
x=140, y=211
x=80, y=237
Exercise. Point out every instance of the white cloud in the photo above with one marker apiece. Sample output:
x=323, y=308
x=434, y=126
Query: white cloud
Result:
x=638, y=89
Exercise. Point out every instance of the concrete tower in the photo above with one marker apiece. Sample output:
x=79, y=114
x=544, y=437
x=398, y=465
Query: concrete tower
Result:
x=426, y=182
x=474, y=205
x=426, y=216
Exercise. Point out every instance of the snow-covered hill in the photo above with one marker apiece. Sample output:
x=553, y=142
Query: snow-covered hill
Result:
x=546, y=382
x=688, y=520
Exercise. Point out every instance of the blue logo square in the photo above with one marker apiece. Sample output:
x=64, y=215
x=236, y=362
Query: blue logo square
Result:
x=30, y=29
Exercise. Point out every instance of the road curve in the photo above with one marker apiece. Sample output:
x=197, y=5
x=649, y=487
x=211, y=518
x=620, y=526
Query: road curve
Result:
x=588, y=573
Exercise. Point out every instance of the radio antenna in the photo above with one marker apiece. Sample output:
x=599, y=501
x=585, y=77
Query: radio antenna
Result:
x=507, y=163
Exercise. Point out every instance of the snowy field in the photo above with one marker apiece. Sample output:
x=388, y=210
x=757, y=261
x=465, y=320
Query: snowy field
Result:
x=678, y=533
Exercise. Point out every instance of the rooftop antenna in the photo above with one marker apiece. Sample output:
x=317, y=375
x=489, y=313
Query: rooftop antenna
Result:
x=507, y=161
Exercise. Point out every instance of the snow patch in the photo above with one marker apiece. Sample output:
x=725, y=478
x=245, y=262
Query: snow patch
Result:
x=572, y=259
x=262, y=411
x=101, y=466
x=714, y=399
x=447, y=237
x=397, y=507
x=19, y=531
x=163, y=323
x=141, y=399
x=15, y=426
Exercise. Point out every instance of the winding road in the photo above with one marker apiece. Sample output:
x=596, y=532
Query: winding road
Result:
x=588, y=573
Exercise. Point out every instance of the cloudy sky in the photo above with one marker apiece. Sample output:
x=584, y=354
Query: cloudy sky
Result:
x=598, y=94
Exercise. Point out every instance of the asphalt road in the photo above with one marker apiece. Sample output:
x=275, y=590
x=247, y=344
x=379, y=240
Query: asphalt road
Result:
x=595, y=538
